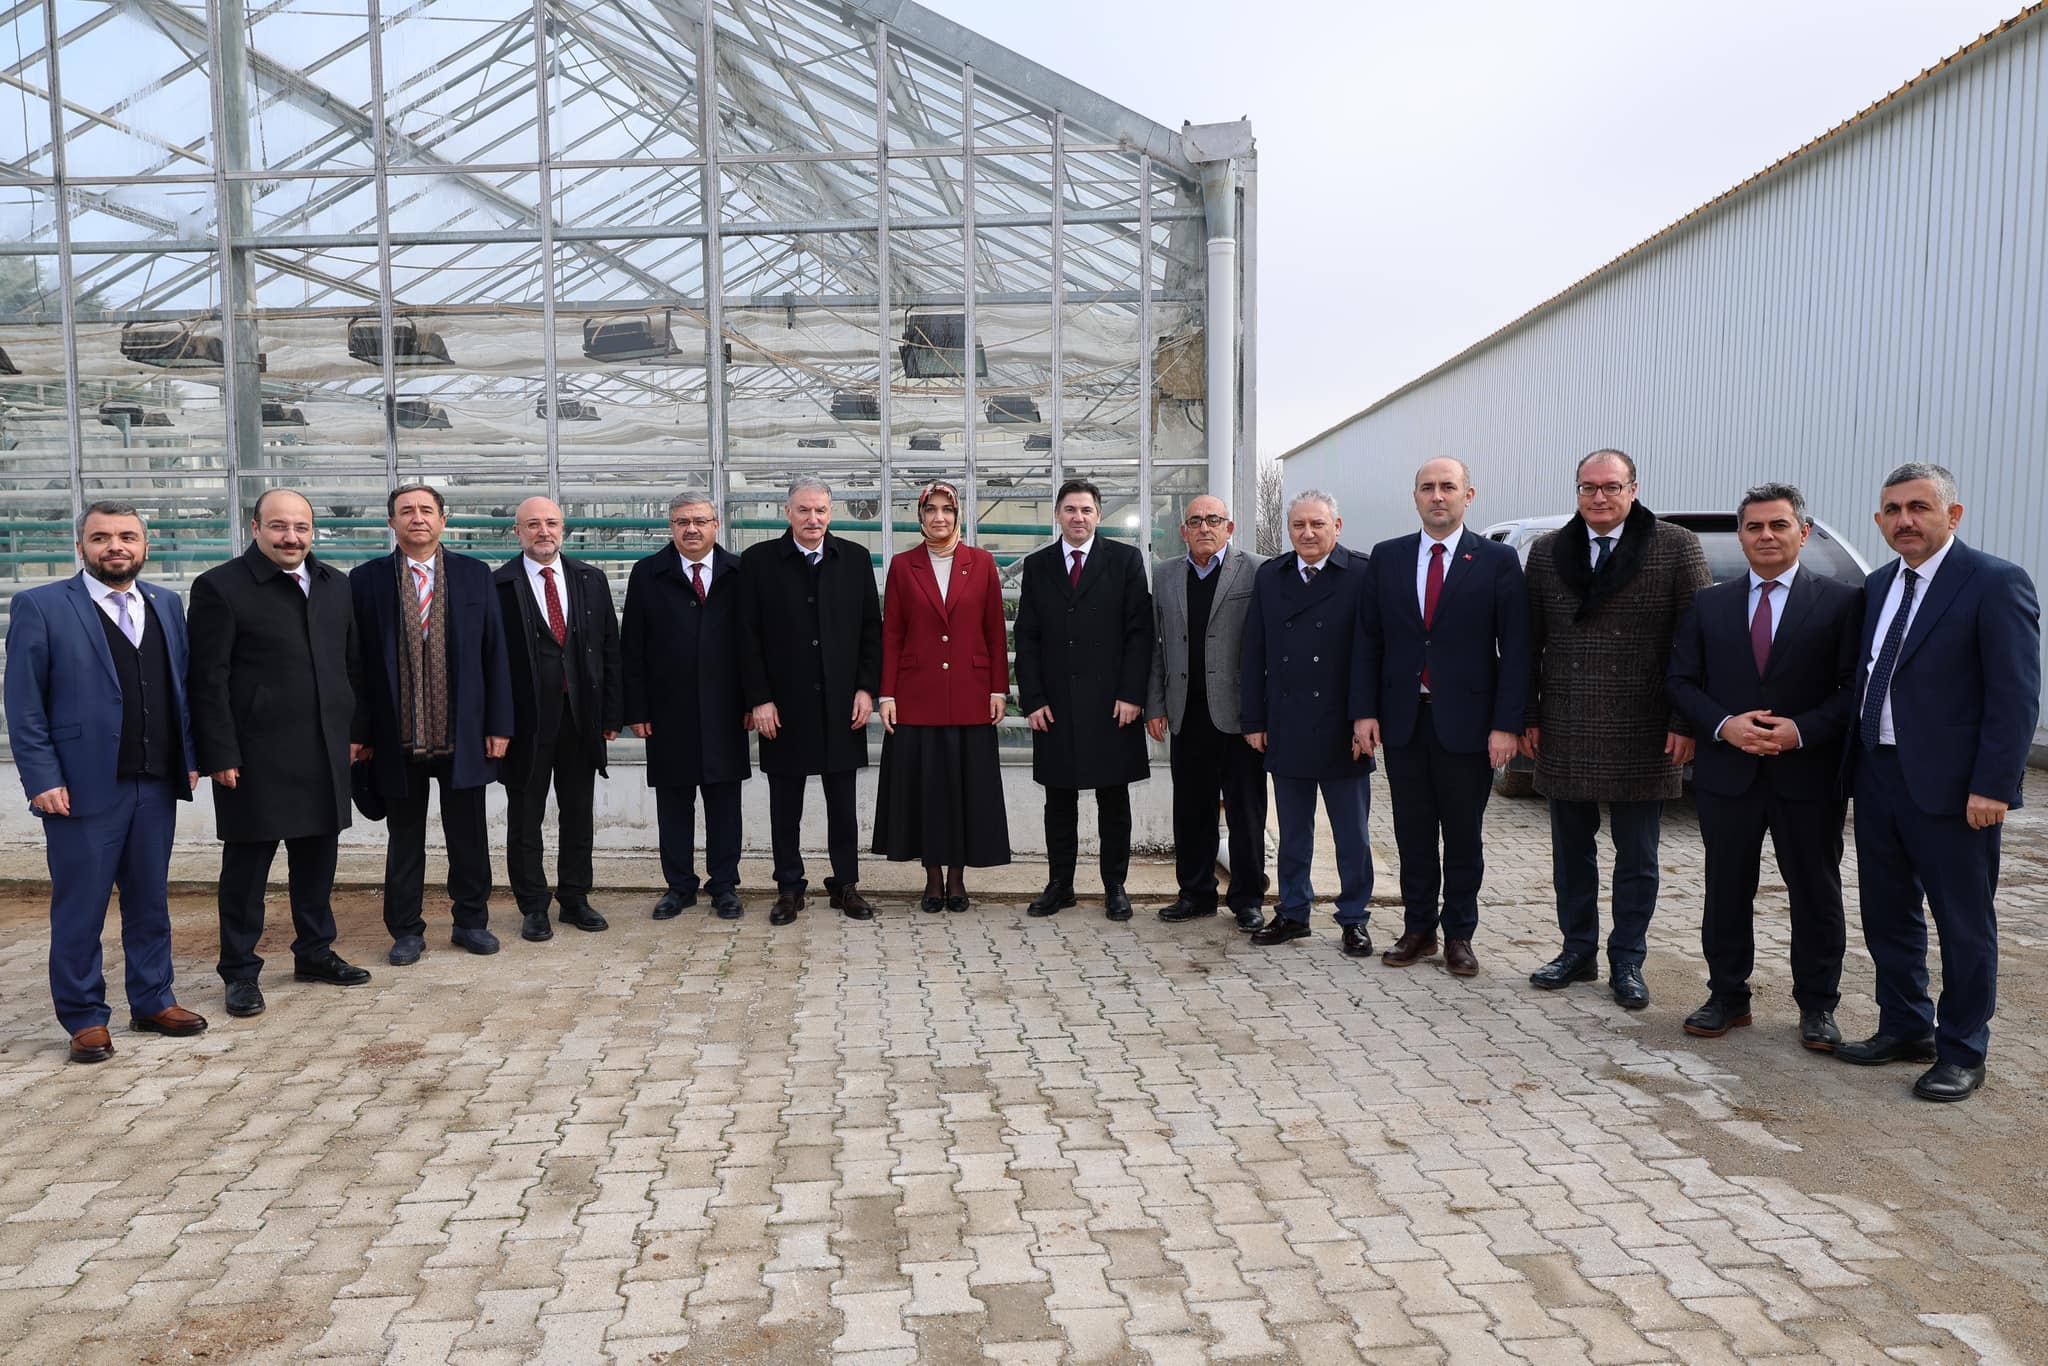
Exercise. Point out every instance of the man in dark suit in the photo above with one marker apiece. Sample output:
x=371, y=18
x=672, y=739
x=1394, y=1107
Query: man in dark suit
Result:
x=1303, y=685
x=810, y=661
x=440, y=695
x=562, y=643
x=1444, y=625
x=1765, y=668
x=96, y=717
x=277, y=717
x=1606, y=592
x=1084, y=653
x=680, y=656
x=1199, y=603
x=1950, y=685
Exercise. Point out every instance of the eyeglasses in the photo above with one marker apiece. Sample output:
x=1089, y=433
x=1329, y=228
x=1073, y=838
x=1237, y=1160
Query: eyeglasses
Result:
x=1197, y=522
x=1611, y=490
x=692, y=523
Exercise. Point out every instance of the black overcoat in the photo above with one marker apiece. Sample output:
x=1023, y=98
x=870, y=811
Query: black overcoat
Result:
x=276, y=689
x=680, y=670
x=1081, y=649
x=1305, y=665
x=809, y=639
x=593, y=634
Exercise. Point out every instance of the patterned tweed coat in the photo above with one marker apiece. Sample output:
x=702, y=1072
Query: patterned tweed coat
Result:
x=1599, y=647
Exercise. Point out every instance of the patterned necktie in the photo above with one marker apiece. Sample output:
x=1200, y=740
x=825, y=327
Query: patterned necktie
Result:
x=1074, y=574
x=697, y=581
x=1887, y=659
x=123, y=619
x=425, y=593
x=1432, y=589
x=305, y=584
x=1760, y=626
x=558, y=626
x=1308, y=575
x=1606, y=543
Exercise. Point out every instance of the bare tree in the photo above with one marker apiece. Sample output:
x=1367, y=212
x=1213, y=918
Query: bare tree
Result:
x=1269, y=527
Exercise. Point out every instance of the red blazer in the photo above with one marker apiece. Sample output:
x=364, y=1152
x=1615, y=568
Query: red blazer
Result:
x=943, y=659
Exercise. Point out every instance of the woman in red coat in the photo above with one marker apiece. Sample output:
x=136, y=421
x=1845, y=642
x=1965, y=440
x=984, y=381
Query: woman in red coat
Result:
x=945, y=682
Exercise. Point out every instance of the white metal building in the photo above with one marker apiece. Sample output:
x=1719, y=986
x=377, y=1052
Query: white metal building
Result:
x=1879, y=295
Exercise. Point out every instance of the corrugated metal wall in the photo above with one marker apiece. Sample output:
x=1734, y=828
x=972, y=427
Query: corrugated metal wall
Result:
x=1882, y=298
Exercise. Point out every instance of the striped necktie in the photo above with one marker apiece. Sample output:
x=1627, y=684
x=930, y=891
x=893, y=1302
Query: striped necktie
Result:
x=424, y=591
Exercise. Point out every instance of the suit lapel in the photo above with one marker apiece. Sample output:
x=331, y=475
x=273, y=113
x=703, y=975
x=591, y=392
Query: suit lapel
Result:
x=1091, y=567
x=1956, y=570
x=89, y=618
x=927, y=578
x=1798, y=604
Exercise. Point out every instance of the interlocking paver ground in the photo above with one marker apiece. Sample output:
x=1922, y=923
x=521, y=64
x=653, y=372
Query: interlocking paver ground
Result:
x=984, y=1137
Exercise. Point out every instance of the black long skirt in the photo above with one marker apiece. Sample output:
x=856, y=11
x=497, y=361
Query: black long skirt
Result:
x=939, y=798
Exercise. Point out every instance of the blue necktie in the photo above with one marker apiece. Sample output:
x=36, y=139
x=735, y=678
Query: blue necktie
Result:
x=1887, y=660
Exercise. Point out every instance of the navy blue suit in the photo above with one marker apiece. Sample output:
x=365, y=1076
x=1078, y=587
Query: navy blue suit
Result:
x=1965, y=698
x=1303, y=685
x=1476, y=651
x=64, y=724
x=479, y=705
x=1809, y=679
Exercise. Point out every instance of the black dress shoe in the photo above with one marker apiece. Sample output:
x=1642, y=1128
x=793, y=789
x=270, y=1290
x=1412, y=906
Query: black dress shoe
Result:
x=1631, y=992
x=583, y=916
x=535, y=927
x=1183, y=910
x=1357, y=942
x=1717, y=1017
x=847, y=900
x=787, y=903
x=1564, y=970
x=1817, y=1030
x=673, y=904
x=1116, y=903
x=726, y=905
x=931, y=905
x=957, y=903
x=1949, y=1081
x=333, y=970
x=1249, y=918
x=1883, y=1048
x=406, y=949
x=244, y=999
x=1056, y=897
x=478, y=940
x=1280, y=930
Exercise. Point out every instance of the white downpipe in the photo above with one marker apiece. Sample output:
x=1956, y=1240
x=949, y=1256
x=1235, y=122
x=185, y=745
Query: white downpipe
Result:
x=1219, y=201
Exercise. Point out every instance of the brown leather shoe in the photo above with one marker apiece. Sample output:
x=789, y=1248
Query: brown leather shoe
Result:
x=1458, y=958
x=92, y=1044
x=847, y=900
x=1410, y=949
x=174, y=1021
x=788, y=902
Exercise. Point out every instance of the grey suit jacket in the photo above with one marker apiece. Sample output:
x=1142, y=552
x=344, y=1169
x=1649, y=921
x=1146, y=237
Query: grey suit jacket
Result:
x=1222, y=645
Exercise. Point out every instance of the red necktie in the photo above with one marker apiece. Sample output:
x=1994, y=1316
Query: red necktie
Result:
x=558, y=626
x=1074, y=574
x=1432, y=589
x=425, y=594
x=697, y=581
x=1760, y=626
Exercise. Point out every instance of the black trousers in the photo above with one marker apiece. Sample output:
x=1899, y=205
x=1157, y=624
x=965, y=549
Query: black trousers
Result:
x=675, y=812
x=1113, y=824
x=405, y=852
x=559, y=753
x=785, y=828
x=1439, y=795
x=244, y=873
x=1807, y=837
x=1575, y=874
x=1206, y=763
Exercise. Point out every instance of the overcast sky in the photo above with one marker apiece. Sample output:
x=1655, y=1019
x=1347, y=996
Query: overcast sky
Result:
x=1427, y=172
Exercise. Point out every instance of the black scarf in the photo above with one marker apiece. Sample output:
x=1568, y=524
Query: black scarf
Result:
x=1572, y=553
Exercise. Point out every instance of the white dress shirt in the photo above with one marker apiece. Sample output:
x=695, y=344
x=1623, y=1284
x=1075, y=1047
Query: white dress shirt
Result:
x=1087, y=548
x=540, y=588
x=710, y=569
x=416, y=568
x=1778, y=598
x=1423, y=543
x=1890, y=609
x=1302, y=566
x=138, y=611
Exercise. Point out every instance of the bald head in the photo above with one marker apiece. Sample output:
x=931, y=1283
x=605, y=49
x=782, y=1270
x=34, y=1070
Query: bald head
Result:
x=1443, y=490
x=538, y=523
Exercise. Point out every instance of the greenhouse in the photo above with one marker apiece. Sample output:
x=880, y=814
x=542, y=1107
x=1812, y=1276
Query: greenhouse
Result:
x=603, y=249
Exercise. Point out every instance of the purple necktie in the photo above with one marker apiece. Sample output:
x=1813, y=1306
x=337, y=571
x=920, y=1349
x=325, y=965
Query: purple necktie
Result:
x=1760, y=626
x=123, y=620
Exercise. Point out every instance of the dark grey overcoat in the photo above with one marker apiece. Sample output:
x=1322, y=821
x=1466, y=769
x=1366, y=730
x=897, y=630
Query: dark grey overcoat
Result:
x=1599, y=647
